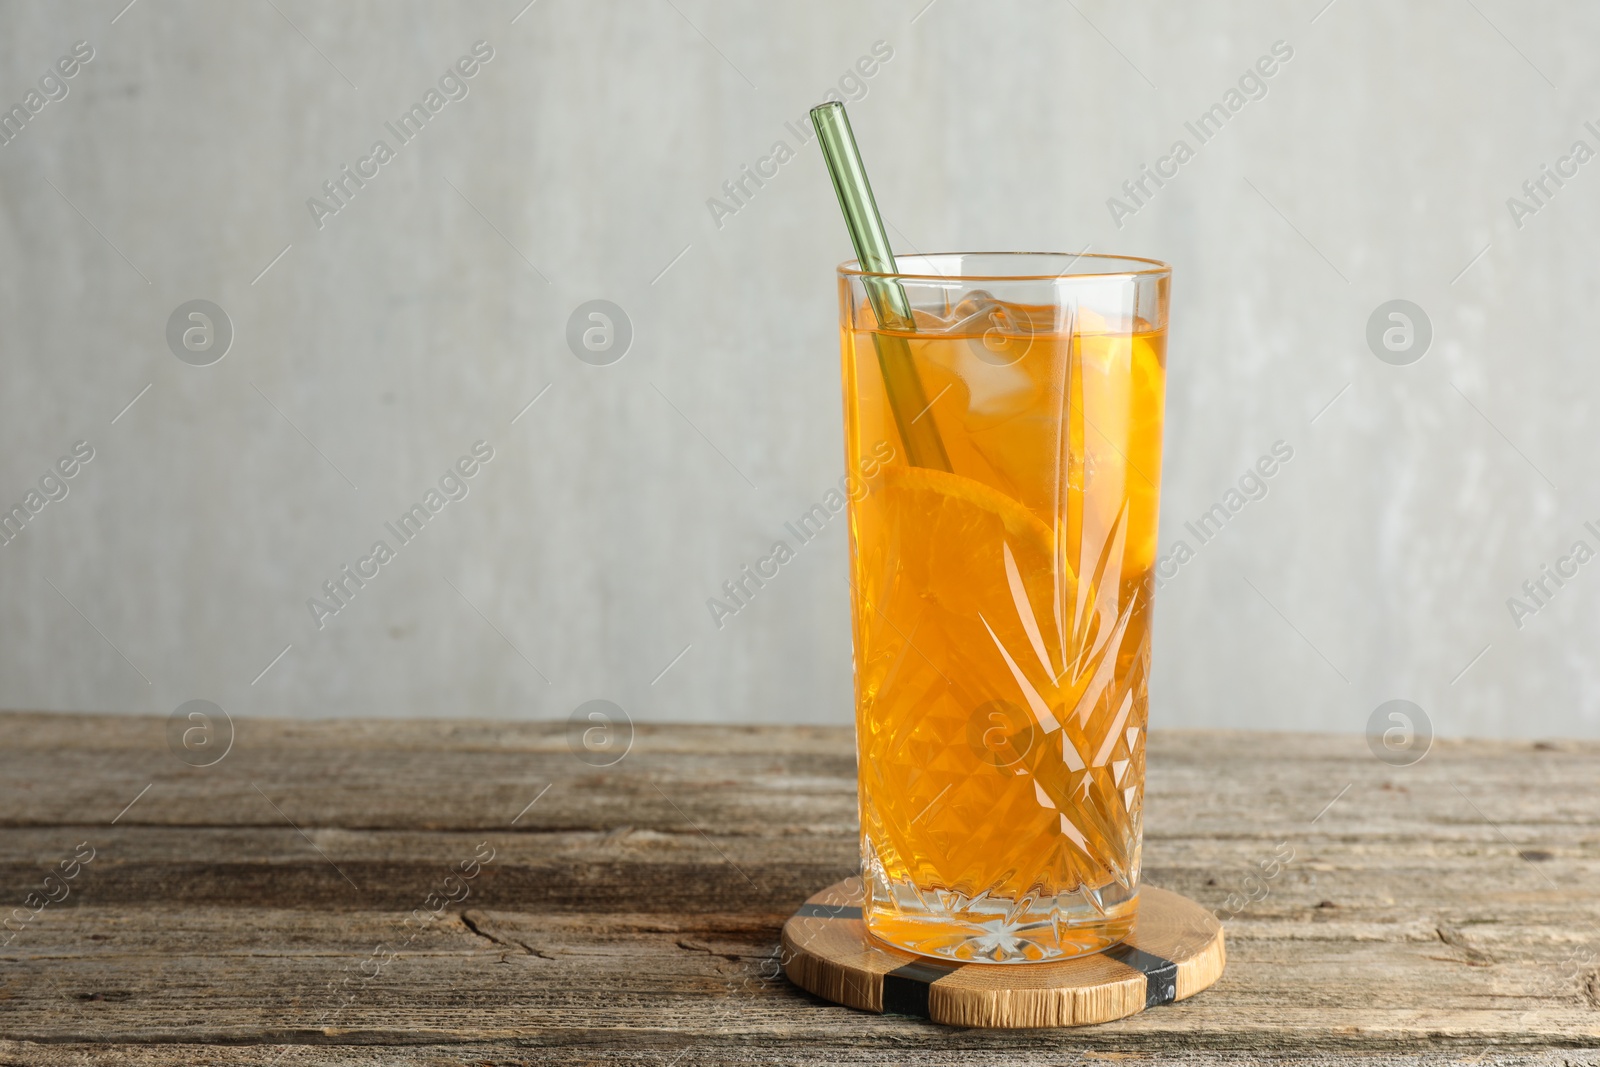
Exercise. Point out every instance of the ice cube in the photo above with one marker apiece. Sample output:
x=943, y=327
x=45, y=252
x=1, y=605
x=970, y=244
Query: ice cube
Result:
x=985, y=342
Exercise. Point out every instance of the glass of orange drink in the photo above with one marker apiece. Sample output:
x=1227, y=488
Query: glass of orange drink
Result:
x=1005, y=446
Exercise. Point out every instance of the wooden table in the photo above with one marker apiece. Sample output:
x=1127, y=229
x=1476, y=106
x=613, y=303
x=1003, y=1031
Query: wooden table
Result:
x=291, y=904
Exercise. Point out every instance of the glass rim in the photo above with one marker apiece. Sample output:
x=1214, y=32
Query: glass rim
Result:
x=851, y=268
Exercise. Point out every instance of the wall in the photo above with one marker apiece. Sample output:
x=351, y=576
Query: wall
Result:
x=373, y=346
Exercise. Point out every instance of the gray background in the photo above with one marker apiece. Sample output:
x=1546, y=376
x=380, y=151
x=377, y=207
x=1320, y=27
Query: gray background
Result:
x=428, y=312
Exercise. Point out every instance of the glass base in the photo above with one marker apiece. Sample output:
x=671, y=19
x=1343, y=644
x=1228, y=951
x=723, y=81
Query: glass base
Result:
x=1038, y=930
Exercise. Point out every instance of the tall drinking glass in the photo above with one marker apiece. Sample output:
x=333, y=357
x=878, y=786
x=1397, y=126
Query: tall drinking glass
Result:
x=1005, y=452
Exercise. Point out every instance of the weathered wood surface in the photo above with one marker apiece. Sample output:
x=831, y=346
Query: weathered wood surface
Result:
x=1447, y=912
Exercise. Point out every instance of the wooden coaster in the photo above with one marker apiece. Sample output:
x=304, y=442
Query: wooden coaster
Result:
x=1174, y=952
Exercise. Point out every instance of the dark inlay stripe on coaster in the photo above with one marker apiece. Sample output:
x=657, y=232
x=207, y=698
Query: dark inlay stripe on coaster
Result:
x=905, y=989
x=1160, y=975
x=829, y=911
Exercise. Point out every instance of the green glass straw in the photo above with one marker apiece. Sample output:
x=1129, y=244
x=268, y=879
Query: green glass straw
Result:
x=907, y=400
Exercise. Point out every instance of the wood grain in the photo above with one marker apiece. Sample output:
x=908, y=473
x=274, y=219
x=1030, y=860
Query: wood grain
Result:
x=1433, y=914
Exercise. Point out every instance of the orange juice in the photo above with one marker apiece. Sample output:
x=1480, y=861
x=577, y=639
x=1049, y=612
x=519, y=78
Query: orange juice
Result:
x=1001, y=614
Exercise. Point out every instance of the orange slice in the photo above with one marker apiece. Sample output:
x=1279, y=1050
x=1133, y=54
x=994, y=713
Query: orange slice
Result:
x=985, y=562
x=965, y=513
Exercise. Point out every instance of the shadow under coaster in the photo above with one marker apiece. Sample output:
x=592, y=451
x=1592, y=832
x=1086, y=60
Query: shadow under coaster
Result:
x=1174, y=952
